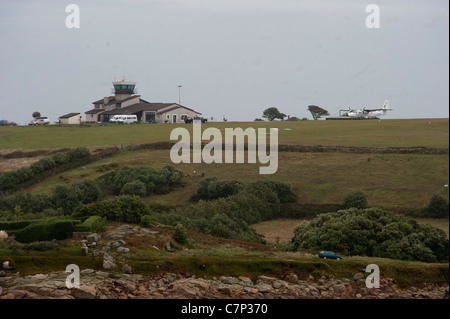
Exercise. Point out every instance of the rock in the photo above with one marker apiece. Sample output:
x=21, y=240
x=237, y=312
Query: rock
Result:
x=245, y=281
x=266, y=279
x=87, y=271
x=93, y=238
x=108, y=262
x=114, y=244
x=291, y=278
x=145, y=230
x=361, y=282
x=1, y=290
x=2, y=273
x=123, y=249
x=446, y=293
x=95, y=253
x=154, y=247
x=84, y=292
x=358, y=296
x=339, y=288
x=358, y=276
x=92, y=245
x=126, y=269
x=7, y=265
x=84, y=251
x=169, y=247
x=229, y=280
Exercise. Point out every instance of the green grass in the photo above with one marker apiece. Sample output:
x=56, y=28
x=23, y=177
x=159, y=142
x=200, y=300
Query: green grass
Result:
x=384, y=133
x=389, y=180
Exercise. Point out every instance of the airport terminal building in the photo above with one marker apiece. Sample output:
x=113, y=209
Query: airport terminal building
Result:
x=126, y=102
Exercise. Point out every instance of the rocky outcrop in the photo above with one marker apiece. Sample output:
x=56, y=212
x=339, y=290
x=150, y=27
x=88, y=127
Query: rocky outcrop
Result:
x=105, y=285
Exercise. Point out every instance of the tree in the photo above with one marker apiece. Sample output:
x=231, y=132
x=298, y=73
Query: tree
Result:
x=36, y=114
x=272, y=113
x=317, y=112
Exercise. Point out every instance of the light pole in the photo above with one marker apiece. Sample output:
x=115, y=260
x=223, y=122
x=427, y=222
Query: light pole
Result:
x=179, y=94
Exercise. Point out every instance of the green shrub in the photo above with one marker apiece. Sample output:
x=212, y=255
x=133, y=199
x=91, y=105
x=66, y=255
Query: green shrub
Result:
x=212, y=188
x=148, y=221
x=70, y=197
x=155, y=181
x=437, y=207
x=60, y=158
x=41, y=246
x=94, y=223
x=28, y=202
x=15, y=225
x=44, y=230
x=180, y=235
x=42, y=165
x=134, y=188
x=356, y=199
x=77, y=153
x=282, y=190
x=124, y=208
x=373, y=233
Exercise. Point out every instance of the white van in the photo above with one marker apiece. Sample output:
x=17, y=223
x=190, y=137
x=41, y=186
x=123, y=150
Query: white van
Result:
x=124, y=119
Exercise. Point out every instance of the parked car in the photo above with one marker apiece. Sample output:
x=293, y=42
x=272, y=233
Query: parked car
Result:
x=124, y=119
x=196, y=118
x=329, y=255
x=43, y=120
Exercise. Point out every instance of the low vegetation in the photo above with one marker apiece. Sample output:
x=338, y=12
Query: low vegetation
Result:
x=372, y=232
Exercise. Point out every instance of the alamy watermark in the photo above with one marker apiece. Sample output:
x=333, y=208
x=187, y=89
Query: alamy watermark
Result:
x=373, y=280
x=73, y=280
x=213, y=151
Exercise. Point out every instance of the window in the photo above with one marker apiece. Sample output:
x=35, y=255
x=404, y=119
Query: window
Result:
x=183, y=116
x=168, y=116
x=118, y=105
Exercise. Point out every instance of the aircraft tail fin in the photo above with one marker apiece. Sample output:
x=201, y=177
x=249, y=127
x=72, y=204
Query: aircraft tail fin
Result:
x=386, y=105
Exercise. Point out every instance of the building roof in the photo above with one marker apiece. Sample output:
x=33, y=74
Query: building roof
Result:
x=69, y=115
x=94, y=111
x=112, y=100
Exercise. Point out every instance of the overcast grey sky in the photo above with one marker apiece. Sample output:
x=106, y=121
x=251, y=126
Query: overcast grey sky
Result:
x=232, y=57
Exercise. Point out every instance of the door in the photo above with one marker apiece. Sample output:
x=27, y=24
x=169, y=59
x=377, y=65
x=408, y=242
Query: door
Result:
x=174, y=118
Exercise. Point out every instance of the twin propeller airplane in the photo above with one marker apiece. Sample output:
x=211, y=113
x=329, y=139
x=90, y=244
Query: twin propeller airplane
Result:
x=367, y=113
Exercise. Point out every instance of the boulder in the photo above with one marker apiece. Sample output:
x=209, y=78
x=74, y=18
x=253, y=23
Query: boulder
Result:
x=123, y=249
x=291, y=278
x=108, y=262
x=126, y=269
x=92, y=238
x=358, y=276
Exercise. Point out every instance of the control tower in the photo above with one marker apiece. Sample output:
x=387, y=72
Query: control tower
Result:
x=123, y=89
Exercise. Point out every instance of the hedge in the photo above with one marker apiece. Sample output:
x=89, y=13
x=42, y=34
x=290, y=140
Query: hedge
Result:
x=93, y=223
x=45, y=230
x=11, y=179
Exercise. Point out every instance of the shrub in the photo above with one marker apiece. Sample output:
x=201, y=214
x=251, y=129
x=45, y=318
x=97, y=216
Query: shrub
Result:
x=437, y=207
x=155, y=181
x=42, y=165
x=213, y=188
x=40, y=246
x=180, y=235
x=28, y=202
x=148, y=221
x=134, y=188
x=356, y=199
x=77, y=153
x=373, y=233
x=124, y=208
x=70, y=197
x=44, y=230
x=282, y=190
x=93, y=223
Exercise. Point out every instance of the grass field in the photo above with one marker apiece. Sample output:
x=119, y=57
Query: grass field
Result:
x=383, y=133
x=389, y=180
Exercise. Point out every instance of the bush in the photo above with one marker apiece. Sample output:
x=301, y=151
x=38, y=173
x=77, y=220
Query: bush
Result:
x=70, y=197
x=91, y=224
x=134, y=188
x=373, y=233
x=44, y=230
x=437, y=207
x=43, y=165
x=124, y=208
x=356, y=199
x=28, y=202
x=40, y=246
x=213, y=188
x=180, y=235
x=148, y=221
x=160, y=182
